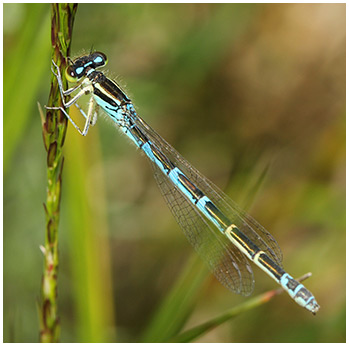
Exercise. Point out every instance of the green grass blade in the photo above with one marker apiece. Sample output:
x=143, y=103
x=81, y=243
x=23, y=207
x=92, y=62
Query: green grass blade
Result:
x=177, y=306
x=249, y=304
x=23, y=76
x=89, y=248
x=204, y=328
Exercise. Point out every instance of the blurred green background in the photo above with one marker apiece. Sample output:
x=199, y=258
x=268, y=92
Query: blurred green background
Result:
x=252, y=95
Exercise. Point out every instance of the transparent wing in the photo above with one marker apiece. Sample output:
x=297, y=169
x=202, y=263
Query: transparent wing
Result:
x=246, y=224
x=228, y=264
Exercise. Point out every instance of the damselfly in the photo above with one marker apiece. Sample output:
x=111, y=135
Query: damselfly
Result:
x=224, y=235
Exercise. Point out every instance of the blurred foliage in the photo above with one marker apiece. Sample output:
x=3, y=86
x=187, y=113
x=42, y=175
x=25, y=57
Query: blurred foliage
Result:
x=252, y=95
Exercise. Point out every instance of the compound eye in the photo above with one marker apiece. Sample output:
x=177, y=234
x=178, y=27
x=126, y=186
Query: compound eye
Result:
x=70, y=74
x=74, y=73
x=99, y=59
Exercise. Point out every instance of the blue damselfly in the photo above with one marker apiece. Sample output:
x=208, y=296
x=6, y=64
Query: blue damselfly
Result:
x=224, y=235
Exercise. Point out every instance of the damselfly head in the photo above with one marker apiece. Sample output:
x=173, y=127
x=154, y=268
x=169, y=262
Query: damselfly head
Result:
x=81, y=65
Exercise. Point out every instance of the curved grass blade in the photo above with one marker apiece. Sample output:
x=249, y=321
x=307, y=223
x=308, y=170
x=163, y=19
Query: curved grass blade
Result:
x=202, y=329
